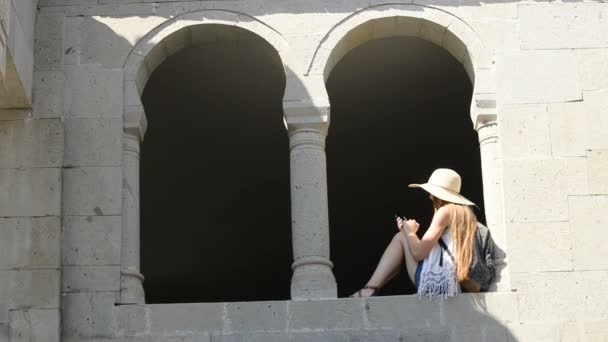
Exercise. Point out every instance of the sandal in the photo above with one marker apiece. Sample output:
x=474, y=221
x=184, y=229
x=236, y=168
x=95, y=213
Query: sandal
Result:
x=359, y=294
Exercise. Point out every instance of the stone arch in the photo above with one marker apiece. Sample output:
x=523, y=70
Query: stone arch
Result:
x=159, y=44
x=428, y=23
x=183, y=31
x=460, y=40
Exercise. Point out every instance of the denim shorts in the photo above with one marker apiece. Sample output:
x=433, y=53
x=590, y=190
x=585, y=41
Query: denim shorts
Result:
x=418, y=271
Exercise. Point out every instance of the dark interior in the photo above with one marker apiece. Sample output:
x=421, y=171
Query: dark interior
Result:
x=399, y=110
x=215, y=202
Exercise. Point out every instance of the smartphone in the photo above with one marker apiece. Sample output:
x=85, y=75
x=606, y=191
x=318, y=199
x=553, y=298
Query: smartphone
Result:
x=398, y=215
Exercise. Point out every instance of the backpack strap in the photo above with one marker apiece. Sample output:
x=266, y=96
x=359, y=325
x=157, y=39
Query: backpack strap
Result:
x=447, y=250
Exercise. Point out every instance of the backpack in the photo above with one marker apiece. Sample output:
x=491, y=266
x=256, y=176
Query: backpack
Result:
x=482, y=270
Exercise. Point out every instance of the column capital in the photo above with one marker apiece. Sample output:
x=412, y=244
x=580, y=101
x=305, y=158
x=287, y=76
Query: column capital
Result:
x=483, y=109
x=135, y=123
x=306, y=115
x=487, y=128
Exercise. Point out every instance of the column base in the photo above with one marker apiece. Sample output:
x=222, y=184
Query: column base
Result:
x=131, y=288
x=313, y=279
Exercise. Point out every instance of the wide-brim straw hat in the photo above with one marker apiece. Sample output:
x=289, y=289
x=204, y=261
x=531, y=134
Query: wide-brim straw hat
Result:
x=444, y=184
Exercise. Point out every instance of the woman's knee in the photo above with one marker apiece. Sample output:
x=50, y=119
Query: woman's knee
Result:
x=399, y=237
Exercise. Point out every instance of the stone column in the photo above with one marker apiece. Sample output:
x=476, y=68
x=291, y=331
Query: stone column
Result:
x=312, y=268
x=5, y=16
x=487, y=129
x=131, y=288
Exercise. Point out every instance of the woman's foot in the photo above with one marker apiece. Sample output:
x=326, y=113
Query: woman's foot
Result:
x=366, y=291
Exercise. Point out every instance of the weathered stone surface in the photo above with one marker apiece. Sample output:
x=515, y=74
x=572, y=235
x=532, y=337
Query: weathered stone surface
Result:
x=488, y=310
x=100, y=44
x=304, y=46
x=108, y=40
x=93, y=142
x=579, y=126
x=93, y=92
x=485, y=81
x=498, y=34
x=132, y=320
x=596, y=330
x=559, y=26
x=315, y=315
x=537, y=77
x=597, y=165
x=91, y=240
x=92, y=191
x=30, y=192
x=386, y=312
x=593, y=66
x=587, y=232
x=256, y=316
x=593, y=295
x=20, y=54
x=524, y=131
x=34, y=325
x=88, y=314
x=568, y=122
x=4, y=332
x=318, y=337
x=49, y=27
x=556, y=296
x=193, y=338
x=29, y=242
x=481, y=333
x=66, y=2
x=537, y=190
x=302, y=88
x=549, y=332
x=28, y=288
x=31, y=143
x=48, y=54
x=540, y=247
x=395, y=336
x=71, y=40
x=596, y=107
x=185, y=319
x=47, y=94
x=253, y=337
x=570, y=331
x=90, y=278
x=474, y=9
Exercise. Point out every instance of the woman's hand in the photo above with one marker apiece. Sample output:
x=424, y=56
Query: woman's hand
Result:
x=409, y=226
x=413, y=226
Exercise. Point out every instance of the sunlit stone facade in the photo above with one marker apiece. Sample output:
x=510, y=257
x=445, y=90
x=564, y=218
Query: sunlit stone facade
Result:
x=72, y=121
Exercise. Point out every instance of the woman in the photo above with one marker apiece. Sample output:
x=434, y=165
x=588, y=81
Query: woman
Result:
x=429, y=267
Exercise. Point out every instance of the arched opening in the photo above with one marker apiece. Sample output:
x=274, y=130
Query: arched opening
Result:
x=400, y=108
x=215, y=202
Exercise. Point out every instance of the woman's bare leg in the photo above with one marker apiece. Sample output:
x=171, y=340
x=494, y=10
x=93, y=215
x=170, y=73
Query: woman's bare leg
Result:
x=389, y=266
x=410, y=263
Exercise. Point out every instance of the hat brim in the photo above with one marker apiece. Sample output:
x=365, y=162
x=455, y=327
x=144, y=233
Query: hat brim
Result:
x=443, y=193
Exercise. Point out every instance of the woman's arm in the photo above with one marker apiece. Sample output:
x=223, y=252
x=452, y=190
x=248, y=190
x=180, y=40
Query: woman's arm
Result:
x=421, y=248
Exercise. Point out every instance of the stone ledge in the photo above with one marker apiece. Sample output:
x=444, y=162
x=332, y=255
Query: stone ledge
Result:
x=344, y=316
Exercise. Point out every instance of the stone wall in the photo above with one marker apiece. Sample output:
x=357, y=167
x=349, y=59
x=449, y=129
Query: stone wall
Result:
x=31, y=153
x=540, y=104
x=17, y=18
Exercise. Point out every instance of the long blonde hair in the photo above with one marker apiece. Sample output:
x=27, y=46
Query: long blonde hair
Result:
x=462, y=224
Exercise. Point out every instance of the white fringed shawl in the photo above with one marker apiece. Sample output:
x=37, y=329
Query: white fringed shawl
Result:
x=439, y=280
